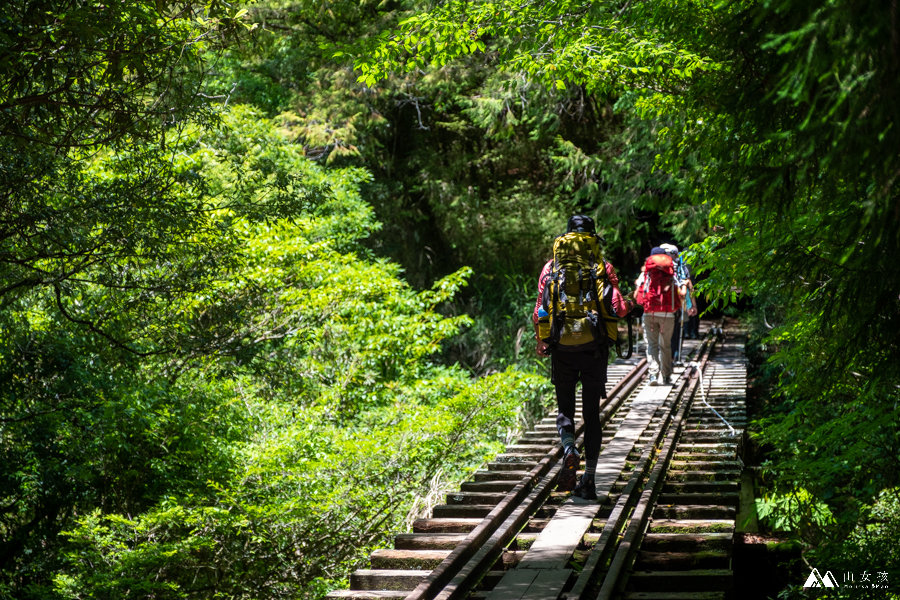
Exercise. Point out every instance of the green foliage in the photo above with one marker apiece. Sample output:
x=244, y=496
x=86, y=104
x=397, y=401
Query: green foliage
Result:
x=295, y=507
x=574, y=42
x=774, y=119
x=80, y=73
x=466, y=157
x=267, y=455
x=794, y=511
x=208, y=361
x=869, y=553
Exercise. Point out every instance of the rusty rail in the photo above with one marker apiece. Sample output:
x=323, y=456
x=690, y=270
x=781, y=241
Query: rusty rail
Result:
x=457, y=574
x=614, y=582
x=589, y=576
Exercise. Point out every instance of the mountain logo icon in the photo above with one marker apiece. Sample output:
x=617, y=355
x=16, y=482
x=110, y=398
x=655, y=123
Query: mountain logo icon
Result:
x=815, y=580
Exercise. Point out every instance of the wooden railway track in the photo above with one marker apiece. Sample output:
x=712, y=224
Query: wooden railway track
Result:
x=668, y=481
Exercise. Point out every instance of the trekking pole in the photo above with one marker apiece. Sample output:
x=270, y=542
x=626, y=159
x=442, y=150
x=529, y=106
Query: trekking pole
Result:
x=681, y=337
x=630, y=320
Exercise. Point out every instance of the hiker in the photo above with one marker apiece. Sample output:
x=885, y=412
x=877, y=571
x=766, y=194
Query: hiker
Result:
x=683, y=281
x=560, y=337
x=692, y=323
x=672, y=251
x=661, y=297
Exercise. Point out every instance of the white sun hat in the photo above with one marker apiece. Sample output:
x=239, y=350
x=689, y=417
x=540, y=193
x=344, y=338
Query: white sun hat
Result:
x=670, y=249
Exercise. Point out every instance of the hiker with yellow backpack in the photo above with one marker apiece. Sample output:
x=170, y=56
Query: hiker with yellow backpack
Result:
x=575, y=321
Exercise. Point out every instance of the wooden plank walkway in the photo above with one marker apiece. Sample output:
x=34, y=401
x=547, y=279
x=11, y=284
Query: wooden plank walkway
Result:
x=542, y=572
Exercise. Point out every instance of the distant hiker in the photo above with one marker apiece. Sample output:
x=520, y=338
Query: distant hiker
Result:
x=691, y=328
x=691, y=322
x=575, y=323
x=660, y=296
x=683, y=281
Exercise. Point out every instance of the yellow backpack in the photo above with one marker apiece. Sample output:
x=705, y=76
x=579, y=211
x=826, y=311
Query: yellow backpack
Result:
x=577, y=310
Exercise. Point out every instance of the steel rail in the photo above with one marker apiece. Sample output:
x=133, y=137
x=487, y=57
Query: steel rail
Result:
x=613, y=582
x=590, y=573
x=481, y=563
x=455, y=576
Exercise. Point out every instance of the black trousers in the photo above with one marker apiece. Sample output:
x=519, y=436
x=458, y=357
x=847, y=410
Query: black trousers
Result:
x=568, y=368
x=692, y=326
x=676, y=335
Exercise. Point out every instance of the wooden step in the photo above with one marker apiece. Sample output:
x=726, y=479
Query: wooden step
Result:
x=689, y=511
x=492, y=498
x=523, y=465
x=539, y=437
x=428, y=541
x=674, y=596
x=520, y=457
x=541, y=428
x=462, y=511
x=691, y=526
x=710, y=437
x=535, y=525
x=437, y=526
x=710, y=465
x=704, y=426
x=480, y=511
x=500, y=475
x=368, y=594
x=738, y=422
x=407, y=559
x=718, y=499
x=488, y=486
x=524, y=540
x=686, y=542
x=712, y=451
x=698, y=580
x=697, y=475
x=681, y=457
x=682, y=561
x=387, y=579
x=700, y=487
x=695, y=423
x=542, y=449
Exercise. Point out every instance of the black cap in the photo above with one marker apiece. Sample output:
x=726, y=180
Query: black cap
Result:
x=657, y=250
x=581, y=224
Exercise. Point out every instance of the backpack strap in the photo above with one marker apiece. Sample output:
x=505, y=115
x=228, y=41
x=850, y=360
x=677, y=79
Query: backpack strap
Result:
x=580, y=291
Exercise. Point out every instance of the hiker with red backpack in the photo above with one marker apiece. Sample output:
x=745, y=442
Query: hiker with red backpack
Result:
x=575, y=324
x=660, y=294
x=688, y=306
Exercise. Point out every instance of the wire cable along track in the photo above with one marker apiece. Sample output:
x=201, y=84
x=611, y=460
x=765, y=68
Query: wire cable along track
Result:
x=668, y=482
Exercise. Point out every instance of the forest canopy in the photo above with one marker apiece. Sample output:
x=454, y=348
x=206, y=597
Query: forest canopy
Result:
x=265, y=267
x=777, y=119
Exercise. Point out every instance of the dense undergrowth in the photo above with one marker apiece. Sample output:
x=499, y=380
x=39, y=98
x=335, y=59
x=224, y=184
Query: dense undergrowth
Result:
x=266, y=274
x=263, y=469
x=826, y=465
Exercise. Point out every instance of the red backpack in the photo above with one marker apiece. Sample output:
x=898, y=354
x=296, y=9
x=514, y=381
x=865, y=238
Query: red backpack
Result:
x=659, y=293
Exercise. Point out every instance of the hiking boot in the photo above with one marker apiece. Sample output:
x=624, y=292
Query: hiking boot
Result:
x=654, y=380
x=667, y=381
x=571, y=459
x=586, y=488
